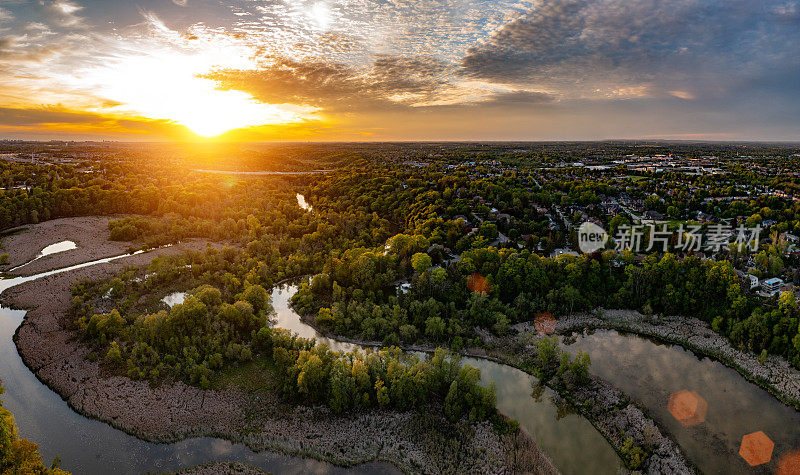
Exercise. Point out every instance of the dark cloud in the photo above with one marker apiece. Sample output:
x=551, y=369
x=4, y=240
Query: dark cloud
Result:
x=59, y=117
x=45, y=115
x=313, y=83
x=519, y=98
x=338, y=87
x=702, y=47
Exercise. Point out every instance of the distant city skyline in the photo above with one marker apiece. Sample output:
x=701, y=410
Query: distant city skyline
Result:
x=400, y=70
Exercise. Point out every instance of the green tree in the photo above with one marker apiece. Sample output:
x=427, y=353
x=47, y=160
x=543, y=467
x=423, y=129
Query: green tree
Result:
x=421, y=262
x=258, y=297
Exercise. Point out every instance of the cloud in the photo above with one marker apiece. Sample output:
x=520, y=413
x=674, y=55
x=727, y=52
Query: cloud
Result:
x=472, y=68
x=5, y=15
x=45, y=115
x=57, y=119
x=63, y=13
x=58, y=116
x=7, y=43
x=14, y=54
x=519, y=98
x=389, y=82
x=684, y=48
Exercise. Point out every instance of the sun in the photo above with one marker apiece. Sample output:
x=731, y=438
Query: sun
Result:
x=166, y=84
x=321, y=15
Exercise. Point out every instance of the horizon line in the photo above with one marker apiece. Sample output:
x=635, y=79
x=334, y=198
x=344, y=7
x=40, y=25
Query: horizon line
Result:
x=444, y=141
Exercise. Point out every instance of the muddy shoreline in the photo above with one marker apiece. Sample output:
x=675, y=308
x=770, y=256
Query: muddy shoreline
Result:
x=607, y=408
x=90, y=234
x=775, y=374
x=410, y=441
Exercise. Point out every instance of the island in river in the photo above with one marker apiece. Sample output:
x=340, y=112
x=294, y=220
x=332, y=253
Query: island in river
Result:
x=173, y=411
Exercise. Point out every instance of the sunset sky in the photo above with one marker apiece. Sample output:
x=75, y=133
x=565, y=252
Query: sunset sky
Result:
x=252, y=70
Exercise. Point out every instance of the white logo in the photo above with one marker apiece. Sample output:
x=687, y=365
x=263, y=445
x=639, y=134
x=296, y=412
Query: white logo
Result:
x=591, y=237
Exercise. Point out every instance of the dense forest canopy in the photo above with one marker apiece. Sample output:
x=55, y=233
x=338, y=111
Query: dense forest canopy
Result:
x=442, y=246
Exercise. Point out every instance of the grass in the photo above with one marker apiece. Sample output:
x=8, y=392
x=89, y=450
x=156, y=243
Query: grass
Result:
x=257, y=376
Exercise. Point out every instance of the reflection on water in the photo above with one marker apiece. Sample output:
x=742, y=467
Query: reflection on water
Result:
x=287, y=318
x=571, y=442
x=51, y=249
x=650, y=372
x=302, y=203
x=647, y=371
x=90, y=446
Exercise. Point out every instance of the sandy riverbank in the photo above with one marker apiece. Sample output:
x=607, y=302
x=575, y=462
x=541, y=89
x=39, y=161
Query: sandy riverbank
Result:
x=90, y=234
x=172, y=411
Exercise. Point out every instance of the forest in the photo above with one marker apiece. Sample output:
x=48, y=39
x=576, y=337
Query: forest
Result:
x=377, y=224
x=490, y=288
x=440, y=247
x=204, y=334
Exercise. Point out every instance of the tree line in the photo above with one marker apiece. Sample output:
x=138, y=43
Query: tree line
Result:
x=444, y=305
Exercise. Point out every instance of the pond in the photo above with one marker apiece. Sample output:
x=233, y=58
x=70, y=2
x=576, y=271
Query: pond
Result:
x=51, y=249
x=651, y=372
x=302, y=203
x=57, y=247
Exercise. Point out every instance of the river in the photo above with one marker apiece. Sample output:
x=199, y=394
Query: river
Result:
x=571, y=442
x=88, y=446
x=650, y=373
x=647, y=371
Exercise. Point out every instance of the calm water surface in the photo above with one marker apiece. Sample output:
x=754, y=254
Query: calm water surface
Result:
x=51, y=249
x=93, y=447
x=58, y=247
x=649, y=372
x=571, y=442
x=174, y=299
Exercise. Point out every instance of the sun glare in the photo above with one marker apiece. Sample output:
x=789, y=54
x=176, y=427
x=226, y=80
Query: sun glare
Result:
x=321, y=15
x=167, y=84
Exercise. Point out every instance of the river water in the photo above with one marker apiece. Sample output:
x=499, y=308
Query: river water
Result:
x=647, y=371
x=87, y=446
x=650, y=372
x=571, y=442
